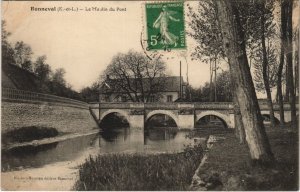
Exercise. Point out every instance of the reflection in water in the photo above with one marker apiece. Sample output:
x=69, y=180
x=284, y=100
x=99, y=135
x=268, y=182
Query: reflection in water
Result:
x=37, y=156
x=125, y=140
x=158, y=134
x=111, y=135
x=211, y=121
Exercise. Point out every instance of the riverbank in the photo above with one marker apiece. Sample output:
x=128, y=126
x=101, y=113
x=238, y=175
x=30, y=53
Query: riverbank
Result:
x=224, y=165
x=50, y=140
x=59, y=176
x=228, y=165
x=137, y=172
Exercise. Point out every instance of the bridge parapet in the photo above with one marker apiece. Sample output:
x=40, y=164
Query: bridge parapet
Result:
x=286, y=106
x=137, y=105
x=16, y=95
x=214, y=105
x=170, y=106
x=115, y=105
x=161, y=106
x=175, y=106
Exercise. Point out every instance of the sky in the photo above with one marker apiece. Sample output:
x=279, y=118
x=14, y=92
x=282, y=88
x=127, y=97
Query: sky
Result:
x=83, y=43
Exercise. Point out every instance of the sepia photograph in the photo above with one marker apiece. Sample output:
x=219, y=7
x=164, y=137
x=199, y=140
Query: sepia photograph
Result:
x=161, y=95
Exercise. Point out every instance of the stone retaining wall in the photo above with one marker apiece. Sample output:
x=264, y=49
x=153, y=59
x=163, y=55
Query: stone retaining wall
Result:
x=47, y=114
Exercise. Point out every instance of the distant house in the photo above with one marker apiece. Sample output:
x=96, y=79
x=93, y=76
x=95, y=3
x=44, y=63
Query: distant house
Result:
x=111, y=91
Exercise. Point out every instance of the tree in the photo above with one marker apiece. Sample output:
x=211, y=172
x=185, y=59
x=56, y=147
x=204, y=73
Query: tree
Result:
x=90, y=93
x=265, y=31
x=281, y=61
x=224, y=91
x=235, y=47
x=42, y=69
x=6, y=48
x=22, y=55
x=58, y=76
x=136, y=75
x=296, y=60
x=203, y=93
x=207, y=33
x=270, y=71
x=224, y=87
x=288, y=10
x=257, y=21
x=205, y=30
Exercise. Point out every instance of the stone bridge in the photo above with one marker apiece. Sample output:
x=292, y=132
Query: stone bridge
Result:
x=184, y=114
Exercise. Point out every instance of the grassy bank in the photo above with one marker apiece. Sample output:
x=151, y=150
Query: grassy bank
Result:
x=140, y=172
x=228, y=166
x=30, y=133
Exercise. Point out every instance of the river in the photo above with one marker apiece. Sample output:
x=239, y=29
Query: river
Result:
x=54, y=166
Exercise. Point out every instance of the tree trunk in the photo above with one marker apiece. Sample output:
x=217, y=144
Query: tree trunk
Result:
x=287, y=77
x=289, y=62
x=234, y=44
x=215, y=80
x=279, y=85
x=264, y=70
x=296, y=68
x=210, y=82
x=281, y=63
x=296, y=60
x=239, y=128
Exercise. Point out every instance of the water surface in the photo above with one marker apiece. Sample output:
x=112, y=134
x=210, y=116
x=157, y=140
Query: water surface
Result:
x=122, y=140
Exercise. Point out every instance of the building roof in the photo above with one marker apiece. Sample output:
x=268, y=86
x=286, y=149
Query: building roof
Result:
x=167, y=84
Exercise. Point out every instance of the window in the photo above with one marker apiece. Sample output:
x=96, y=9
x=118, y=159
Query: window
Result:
x=106, y=98
x=169, y=98
x=123, y=99
x=151, y=99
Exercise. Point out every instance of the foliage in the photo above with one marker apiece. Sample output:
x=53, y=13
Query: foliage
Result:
x=206, y=31
x=90, y=93
x=245, y=96
x=22, y=55
x=137, y=172
x=263, y=50
x=228, y=162
x=6, y=48
x=224, y=90
x=224, y=87
x=42, y=69
x=273, y=64
x=25, y=134
x=135, y=75
x=205, y=28
x=58, y=76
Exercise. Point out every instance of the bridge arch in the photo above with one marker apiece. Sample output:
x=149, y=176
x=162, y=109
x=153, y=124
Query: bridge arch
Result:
x=225, y=118
x=164, y=112
x=122, y=112
x=266, y=115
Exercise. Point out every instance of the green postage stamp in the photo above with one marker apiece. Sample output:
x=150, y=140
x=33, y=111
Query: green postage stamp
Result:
x=165, y=26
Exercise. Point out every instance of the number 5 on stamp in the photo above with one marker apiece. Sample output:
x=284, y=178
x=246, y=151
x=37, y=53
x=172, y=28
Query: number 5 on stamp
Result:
x=165, y=26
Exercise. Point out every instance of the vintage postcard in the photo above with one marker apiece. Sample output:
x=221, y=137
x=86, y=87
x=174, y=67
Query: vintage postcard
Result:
x=177, y=95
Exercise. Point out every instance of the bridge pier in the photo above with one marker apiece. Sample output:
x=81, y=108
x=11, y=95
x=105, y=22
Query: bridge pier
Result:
x=137, y=115
x=137, y=121
x=186, y=121
x=186, y=116
x=231, y=123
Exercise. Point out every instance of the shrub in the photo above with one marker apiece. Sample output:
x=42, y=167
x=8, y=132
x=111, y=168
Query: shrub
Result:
x=30, y=133
x=140, y=171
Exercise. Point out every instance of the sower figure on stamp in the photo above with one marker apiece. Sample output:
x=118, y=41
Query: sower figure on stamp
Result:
x=162, y=22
